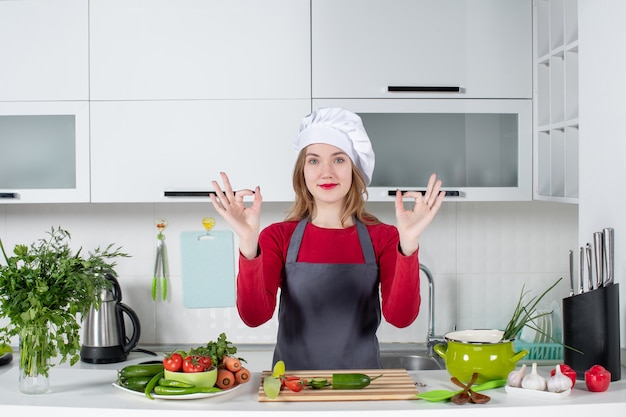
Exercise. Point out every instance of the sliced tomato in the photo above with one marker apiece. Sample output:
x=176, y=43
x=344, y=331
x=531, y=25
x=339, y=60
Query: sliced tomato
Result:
x=173, y=362
x=293, y=383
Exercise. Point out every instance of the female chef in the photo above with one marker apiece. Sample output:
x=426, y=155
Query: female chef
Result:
x=333, y=262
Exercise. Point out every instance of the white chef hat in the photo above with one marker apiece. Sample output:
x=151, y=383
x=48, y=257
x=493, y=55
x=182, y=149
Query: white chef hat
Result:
x=343, y=129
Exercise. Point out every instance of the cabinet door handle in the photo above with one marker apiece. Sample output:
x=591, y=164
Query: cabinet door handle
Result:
x=449, y=193
x=423, y=89
x=8, y=195
x=189, y=193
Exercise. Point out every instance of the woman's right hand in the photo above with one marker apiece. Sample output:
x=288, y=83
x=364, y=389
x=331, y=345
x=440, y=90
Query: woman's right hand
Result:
x=245, y=221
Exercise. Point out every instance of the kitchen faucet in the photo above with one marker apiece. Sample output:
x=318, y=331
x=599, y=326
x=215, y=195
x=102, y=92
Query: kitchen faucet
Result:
x=431, y=339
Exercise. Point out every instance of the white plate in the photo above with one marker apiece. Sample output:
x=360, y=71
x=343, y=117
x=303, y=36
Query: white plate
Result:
x=533, y=393
x=179, y=397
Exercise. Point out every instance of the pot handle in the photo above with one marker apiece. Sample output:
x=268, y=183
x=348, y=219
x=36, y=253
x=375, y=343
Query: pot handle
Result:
x=134, y=339
x=519, y=355
x=441, y=349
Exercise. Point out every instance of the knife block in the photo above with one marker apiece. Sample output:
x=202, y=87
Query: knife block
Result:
x=591, y=325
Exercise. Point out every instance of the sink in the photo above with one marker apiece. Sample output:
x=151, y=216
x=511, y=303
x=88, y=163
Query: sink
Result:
x=410, y=362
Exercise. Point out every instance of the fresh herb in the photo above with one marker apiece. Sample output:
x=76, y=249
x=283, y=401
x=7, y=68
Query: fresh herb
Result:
x=45, y=289
x=216, y=350
x=525, y=314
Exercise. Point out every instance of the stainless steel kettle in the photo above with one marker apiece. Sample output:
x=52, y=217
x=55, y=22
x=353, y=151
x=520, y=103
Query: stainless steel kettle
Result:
x=104, y=333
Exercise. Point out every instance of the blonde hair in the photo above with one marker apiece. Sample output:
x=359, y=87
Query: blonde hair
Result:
x=304, y=204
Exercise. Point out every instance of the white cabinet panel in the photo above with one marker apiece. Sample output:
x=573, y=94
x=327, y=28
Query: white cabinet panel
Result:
x=480, y=149
x=361, y=47
x=140, y=149
x=44, y=152
x=44, y=50
x=199, y=49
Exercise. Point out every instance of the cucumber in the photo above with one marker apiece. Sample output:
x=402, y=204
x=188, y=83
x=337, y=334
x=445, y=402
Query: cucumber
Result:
x=133, y=371
x=351, y=381
x=137, y=383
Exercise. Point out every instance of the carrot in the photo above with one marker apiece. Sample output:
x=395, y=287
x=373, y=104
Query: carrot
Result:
x=231, y=363
x=225, y=378
x=242, y=375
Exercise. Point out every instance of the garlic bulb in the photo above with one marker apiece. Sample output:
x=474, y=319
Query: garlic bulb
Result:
x=534, y=380
x=559, y=382
x=515, y=377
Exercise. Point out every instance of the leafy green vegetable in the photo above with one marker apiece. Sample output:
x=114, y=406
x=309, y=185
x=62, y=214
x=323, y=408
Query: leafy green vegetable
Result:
x=216, y=350
x=45, y=289
x=525, y=314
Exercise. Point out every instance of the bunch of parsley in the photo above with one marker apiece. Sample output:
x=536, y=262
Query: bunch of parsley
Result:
x=45, y=290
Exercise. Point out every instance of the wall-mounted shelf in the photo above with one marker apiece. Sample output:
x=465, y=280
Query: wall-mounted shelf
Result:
x=556, y=101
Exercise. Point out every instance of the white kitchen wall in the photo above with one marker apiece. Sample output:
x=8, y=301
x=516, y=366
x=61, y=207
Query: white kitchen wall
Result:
x=602, y=129
x=481, y=254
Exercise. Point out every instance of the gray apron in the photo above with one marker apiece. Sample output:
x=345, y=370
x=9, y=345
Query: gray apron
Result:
x=329, y=313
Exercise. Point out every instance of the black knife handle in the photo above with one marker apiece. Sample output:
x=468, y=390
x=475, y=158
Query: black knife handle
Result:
x=8, y=195
x=422, y=89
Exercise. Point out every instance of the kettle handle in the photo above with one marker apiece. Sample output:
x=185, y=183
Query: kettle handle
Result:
x=134, y=339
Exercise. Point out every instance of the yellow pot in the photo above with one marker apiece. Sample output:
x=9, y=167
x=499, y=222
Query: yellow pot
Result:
x=480, y=351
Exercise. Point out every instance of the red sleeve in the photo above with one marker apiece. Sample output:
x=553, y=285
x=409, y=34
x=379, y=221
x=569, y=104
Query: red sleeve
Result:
x=258, y=279
x=399, y=279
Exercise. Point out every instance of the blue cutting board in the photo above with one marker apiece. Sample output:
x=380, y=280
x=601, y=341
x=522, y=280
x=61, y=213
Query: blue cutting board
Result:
x=208, y=269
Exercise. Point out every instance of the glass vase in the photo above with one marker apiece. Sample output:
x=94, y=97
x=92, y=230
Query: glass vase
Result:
x=34, y=363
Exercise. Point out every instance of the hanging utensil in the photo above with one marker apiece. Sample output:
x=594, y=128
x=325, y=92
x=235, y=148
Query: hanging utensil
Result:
x=160, y=263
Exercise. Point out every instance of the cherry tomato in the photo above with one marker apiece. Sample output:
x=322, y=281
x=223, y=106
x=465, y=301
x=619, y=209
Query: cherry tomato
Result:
x=173, y=362
x=294, y=383
x=192, y=364
x=568, y=372
x=597, y=378
x=205, y=361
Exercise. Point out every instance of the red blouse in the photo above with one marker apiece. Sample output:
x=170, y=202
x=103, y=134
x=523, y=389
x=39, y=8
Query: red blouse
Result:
x=258, y=279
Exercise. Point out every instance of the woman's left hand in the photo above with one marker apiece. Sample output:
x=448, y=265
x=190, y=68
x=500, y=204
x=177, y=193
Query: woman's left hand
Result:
x=412, y=222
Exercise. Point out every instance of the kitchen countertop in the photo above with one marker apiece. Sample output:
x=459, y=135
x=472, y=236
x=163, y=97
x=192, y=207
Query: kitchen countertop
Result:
x=86, y=389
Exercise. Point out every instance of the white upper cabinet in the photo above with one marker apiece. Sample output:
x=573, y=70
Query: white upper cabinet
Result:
x=171, y=150
x=360, y=48
x=44, y=152
x=199, y=49
x=44, y=50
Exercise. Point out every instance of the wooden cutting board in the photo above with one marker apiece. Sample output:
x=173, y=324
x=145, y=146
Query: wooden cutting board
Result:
x=395, y=384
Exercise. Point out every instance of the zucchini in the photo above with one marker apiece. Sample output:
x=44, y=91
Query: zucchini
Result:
x=352, y=381
x=132, y=371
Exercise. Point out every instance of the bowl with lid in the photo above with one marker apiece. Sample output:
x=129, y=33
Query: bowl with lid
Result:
x=480, y=350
